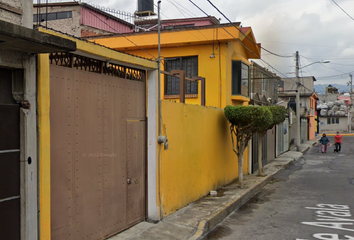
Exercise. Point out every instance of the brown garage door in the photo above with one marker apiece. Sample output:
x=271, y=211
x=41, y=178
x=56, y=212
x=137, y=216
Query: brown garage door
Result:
x=9, y=160
x=98, y=151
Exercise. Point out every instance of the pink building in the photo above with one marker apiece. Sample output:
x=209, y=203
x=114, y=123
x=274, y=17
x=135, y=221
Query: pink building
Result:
x=78, y=19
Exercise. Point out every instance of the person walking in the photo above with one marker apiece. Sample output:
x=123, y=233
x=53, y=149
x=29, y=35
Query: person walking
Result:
x=324, y=142
x=337, y=142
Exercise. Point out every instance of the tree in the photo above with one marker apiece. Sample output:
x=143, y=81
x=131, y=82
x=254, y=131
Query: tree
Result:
x=244, y=121
x=278, y=116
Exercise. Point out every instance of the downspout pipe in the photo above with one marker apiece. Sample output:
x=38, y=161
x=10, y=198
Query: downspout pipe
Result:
x=160, y=139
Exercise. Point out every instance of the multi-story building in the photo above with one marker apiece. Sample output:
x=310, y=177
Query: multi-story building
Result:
x=20, y=43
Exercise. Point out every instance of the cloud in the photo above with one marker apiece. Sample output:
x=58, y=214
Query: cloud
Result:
x=318, y=29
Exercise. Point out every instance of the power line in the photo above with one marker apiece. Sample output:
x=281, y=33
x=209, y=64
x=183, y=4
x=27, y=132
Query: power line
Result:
x=343, y=10
x=275, y=54
x=187, y=10
x=226, y=30
x=179, y=9
x=120, y=34
x=335, y=76
x=286, y=77
x=274, y=69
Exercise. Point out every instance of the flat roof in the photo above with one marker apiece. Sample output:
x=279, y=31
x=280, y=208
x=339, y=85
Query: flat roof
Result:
x=19, y=38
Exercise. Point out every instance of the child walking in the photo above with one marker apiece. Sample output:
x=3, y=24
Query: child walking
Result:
x=338, y=142
x=324, y=142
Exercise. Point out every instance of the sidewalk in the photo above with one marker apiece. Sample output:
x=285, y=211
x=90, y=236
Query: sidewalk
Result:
x=197, y=219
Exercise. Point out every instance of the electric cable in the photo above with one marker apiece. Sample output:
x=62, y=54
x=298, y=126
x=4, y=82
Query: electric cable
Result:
x=179, y=9
x=255, y=54
x=186, y=9
x=343, y=10
x=155, y=58
x=275, y=54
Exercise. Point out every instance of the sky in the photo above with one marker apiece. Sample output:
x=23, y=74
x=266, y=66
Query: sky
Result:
x=318, y=29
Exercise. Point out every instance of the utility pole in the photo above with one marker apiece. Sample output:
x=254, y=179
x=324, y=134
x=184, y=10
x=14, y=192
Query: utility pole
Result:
x=297, y=100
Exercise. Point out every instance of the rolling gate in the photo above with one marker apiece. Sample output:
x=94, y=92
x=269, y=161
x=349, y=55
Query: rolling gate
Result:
x=98, y=147
x=9, y=159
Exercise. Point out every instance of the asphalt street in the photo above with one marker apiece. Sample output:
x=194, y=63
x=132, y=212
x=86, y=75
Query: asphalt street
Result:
x=312, y=198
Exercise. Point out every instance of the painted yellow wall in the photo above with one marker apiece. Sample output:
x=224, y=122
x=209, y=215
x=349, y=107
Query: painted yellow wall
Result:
x=173, y=38
x=195, y=42
x=44, y=145
x=217, y=71
x=199, y=157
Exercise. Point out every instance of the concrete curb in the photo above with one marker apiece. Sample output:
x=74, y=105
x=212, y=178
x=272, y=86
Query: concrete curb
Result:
x=196, y=220
x=211, y=221
x=343, y=134
x=208, y=223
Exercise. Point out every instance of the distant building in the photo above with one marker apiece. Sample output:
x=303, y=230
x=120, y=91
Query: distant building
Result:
x=331, y=89
x=332, y=112
x=307, y=106
x=78, y=19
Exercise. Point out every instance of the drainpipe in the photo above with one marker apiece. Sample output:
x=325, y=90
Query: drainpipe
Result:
x=160, y=139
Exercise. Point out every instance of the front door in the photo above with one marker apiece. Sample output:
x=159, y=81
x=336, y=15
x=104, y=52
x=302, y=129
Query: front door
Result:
x=9, y=159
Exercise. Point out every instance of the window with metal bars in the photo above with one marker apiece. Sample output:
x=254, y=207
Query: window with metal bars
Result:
x=188, y=64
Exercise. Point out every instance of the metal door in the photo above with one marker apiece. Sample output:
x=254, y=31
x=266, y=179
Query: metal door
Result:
x=9, y=160
x=255, y=151
x=135, y=170
x=304, y=130
x=98, y=146
x=282, y=137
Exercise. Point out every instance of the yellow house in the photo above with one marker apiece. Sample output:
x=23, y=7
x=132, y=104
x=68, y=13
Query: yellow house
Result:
x=220, y=53
x=101, y=167
x=199, y=156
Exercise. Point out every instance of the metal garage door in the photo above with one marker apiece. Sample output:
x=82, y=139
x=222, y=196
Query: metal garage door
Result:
x=9, y=160
x=98, y=148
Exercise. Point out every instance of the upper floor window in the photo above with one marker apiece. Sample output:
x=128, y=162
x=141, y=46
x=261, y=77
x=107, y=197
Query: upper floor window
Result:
x=188, y=64
x=240, y=78
x=52, y=16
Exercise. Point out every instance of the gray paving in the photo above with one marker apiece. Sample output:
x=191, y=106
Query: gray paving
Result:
x=301, y=203
x=197, y=219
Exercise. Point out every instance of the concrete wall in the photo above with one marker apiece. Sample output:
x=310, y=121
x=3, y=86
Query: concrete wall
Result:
x=20, y=12
x=199, y=157
x=271, y=144
x=12, y=16
x=70, y=26
x=84, y=22
x=332, y=128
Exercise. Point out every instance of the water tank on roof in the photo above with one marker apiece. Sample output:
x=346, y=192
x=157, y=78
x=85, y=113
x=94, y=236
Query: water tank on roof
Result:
x=145, y=5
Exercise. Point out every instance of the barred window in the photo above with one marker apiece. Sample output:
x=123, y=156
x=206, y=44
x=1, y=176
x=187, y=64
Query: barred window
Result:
x=188, y=64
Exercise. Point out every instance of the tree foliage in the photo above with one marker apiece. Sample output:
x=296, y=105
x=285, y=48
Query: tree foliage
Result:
x=264, y=119
x=244, y=121
x=279, y=114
